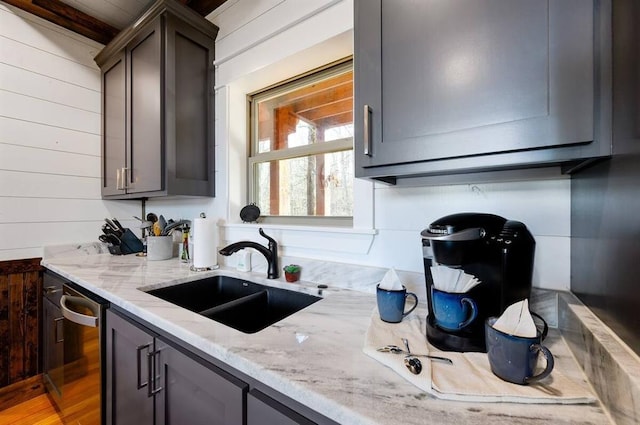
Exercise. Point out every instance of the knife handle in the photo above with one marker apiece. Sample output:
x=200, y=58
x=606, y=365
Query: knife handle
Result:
x=117, y=223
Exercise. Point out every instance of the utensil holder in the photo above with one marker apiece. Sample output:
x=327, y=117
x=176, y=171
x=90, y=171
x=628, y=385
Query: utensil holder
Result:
x=159, y=247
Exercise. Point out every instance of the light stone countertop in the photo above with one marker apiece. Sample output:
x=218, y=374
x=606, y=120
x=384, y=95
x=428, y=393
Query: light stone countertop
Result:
x=314, y=356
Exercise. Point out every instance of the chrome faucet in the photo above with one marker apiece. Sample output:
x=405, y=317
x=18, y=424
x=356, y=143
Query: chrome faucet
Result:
x=271, y=253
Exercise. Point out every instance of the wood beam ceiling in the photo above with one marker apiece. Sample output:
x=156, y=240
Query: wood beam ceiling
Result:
x=79, y=22
x=68, y=17
x=203, y=7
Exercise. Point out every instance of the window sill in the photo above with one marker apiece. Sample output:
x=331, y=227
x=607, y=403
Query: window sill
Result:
x=301, y=240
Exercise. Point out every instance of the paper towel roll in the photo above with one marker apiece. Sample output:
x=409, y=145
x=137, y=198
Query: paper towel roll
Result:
x=204, y=243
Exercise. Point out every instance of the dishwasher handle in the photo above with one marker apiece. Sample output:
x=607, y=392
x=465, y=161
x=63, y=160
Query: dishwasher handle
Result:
x=79, y=318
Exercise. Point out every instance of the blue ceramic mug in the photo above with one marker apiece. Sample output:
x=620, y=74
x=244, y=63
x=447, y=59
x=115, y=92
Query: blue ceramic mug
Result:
x=514, y=358
x=391, y=304
x=453, y=311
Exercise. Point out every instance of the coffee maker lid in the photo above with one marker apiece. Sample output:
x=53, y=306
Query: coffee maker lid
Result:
x=464, y=227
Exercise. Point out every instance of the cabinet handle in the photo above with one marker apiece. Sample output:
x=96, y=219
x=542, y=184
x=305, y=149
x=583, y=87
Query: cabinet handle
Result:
x=56, y=325
x=50, y=290
x=81, y=319
x=119, y=179
x=139, y=366
x=151, y=375
x=367, y=130
x=125, y=178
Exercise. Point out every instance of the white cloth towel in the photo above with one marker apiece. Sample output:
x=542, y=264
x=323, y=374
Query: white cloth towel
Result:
x=469, y=378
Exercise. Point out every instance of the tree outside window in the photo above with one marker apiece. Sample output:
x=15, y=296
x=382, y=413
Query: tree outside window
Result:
x=301, y=160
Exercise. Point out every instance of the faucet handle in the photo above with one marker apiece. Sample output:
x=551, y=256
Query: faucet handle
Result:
x=269, y=238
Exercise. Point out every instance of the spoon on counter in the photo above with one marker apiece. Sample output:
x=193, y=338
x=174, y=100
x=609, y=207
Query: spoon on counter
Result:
x=411, y=362
x=397, y=350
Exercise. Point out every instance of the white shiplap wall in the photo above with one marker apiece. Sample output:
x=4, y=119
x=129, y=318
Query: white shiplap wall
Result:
x=262, y=42
x=49, y=138
x=50, y=145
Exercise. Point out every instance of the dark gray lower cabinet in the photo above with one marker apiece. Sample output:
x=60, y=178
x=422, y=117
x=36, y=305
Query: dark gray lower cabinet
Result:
x=127, y=374
x=152, y=382
x=52, y=347
x=263, y=410
x=193, y=393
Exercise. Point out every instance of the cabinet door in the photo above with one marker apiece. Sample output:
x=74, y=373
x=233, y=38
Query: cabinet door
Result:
x=263, y=410
x=127, y=353
x=146, y=142
x=189, y=109
x=114, y=115
x=449, y=79
x=189, y=392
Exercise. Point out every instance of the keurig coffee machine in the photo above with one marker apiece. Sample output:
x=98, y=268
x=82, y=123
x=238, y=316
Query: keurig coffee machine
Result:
x=497, y=251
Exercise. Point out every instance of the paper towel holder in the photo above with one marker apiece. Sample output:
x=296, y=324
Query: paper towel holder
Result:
x=203, y=269
x=194, y=232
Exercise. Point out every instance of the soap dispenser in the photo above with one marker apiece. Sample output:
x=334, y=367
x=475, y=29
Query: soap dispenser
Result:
x=244, y=260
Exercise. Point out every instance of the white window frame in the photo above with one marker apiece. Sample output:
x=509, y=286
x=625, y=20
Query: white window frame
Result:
x=318, y=74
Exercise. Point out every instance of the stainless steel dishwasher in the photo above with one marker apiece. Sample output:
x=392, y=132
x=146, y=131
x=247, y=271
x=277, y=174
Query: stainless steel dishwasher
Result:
x=75, y=380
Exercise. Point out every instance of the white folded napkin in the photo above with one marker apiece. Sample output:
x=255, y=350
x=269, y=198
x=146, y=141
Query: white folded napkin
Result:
x=379, y=334
x=447, y=279
x=517, y=320
x=391, y=281
x=469, y=378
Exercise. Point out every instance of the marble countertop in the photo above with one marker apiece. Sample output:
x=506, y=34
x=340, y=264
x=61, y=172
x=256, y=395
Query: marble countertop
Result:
x=314, y=356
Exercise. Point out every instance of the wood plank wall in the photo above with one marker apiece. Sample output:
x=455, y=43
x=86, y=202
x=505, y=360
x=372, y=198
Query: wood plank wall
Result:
x=49, y=138
x=20, y=330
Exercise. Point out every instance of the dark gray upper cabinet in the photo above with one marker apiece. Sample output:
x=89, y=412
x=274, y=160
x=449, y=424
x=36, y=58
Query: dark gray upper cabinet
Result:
x=472, y=85
x=158, y=106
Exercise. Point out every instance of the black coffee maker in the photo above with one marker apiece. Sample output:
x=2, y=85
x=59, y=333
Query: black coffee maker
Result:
x=497, y=251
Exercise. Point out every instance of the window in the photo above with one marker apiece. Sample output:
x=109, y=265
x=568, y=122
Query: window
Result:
x=301, y=156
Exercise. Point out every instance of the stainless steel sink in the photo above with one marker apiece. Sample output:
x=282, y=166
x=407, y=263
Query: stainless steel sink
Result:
x=245, y=306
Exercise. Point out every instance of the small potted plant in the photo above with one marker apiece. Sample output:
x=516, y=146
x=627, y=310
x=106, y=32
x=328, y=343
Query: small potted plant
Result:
x=292, y=272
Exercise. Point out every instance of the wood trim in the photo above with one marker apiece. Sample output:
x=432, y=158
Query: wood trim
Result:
x=20, y=319
x=5, y=335
x=68, y=17
x=20, y=266
x=19, y=392
x=158, y=8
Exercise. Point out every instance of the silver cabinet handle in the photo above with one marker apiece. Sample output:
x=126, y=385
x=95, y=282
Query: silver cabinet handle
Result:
x=50, y=290
x=151, y=375
x=56, y=326
x=81, y=319
x=140, y=384
x=367, y=130
x=119, y=179
x=125, y=178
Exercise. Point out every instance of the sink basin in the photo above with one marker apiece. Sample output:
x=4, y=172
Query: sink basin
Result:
x=245, y=306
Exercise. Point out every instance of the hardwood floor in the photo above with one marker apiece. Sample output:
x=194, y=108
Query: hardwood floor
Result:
x=82, y=392
x=37, y=411
x=82, y=397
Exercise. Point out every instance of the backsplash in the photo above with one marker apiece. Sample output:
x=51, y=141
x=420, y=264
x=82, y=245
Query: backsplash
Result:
x=89, y=248
x=365, y=278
